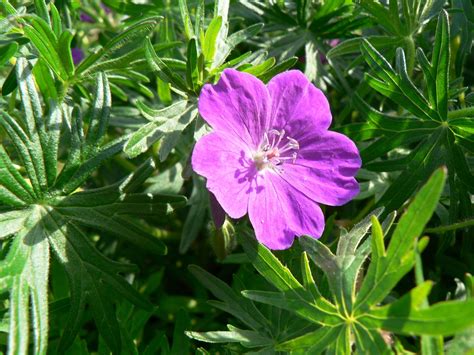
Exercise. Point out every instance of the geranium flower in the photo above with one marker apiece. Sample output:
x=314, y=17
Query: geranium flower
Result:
x=271, y=154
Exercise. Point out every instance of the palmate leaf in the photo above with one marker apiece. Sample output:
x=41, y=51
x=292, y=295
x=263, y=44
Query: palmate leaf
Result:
x=293, y=27
x=429, y=124
x=400, y=22
x=266, y=327
x=43, y=212
x=93, y=279
x=353, y=314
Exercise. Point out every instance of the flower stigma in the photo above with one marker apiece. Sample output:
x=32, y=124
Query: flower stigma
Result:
x=275, y=149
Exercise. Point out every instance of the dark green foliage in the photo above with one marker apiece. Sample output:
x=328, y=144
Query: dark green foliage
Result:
x=351, y=313
x=106, y=240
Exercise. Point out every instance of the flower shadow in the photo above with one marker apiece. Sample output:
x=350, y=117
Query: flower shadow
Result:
x=248, y=174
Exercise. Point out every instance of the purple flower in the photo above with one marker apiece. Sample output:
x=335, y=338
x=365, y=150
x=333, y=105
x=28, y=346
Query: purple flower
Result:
x=77, y=55
x=86, y=18
x=271, y=154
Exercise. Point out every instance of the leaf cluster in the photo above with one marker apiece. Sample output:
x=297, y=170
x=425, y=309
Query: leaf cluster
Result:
x=354, y=313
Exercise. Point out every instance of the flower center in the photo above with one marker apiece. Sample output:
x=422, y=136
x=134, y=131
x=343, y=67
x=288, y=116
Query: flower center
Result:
x=275, y=149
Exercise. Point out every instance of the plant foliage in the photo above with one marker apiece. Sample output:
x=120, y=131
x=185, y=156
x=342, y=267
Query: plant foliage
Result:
x=107, y=237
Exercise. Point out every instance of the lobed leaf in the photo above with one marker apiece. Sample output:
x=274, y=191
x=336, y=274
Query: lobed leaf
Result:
x=383, y=275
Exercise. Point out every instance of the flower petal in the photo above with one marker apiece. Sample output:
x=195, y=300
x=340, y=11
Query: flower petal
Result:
x=279, y=212
x=228, y=170
x=325, y=168
x=238, y=104
x=297, y=105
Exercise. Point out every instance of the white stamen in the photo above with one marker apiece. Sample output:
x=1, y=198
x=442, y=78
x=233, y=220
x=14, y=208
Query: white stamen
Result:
x=274, y=154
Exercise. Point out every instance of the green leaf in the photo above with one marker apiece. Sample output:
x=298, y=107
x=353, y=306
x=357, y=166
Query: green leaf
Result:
x=24, y=273
x=248, y=339
x=396, y=86
x=64, y=47
x=36, y=143
x=39, y=212
x=45, y=79
x=70, y=180
x=352, y=46
x=193, y=224
x=186, y=18
x=458, y=161
x=192, y=70
x=348, y=243
x=313, y=342
x=370, y=341
x=388, y=143
x=166, y=123
x=56, y=23
x=209, y=44
x=387, y=271
x=239, y=307
x=261, y=68
x=12, y=222
x=232, y=41
x=13, y=184
x=99, y=115
x=46, y=42
x=10, y=84
x=292, y=292
x=106, y=209
x=21, y=144
x=342, y=269
x=161, y=69
x=383, y=16
x=440, y=64
x=91, y=277
x=199, y=19
x=180, y=340
x=137, y=31
x=443, y=318
x=42, y=10
x=420, y=167
x=378, y=247
x=391, y=124
x=6, y=52
x=308, y=280
x=277, y=69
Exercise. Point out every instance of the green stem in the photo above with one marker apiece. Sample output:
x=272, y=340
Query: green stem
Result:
x=450, y=227
x=462, y=112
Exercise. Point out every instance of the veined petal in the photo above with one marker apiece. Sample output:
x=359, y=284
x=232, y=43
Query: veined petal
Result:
x=238, y=104
x=279, y=213
x=297, y=105
x=325, y=168
x=229, y=172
